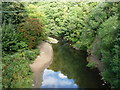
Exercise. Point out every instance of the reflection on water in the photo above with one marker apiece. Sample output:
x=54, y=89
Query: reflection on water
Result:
x=68, y=70
x=53, y=79
x=72, y=64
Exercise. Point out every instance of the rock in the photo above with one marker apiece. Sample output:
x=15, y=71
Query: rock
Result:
x=52, y=40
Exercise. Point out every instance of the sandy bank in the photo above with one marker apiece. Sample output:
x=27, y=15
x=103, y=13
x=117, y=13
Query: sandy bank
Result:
x=41, y=62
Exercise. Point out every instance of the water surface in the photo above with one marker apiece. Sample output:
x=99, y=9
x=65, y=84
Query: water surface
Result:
x=68, y=70
x=53, y=79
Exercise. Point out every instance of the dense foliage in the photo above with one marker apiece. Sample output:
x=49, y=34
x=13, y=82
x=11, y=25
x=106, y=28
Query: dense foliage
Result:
x=16, y=70
x=10, y=40
x=31, y=31
x=17, y=52
x=92, y=27
x=110, y=51
x=100, y=35
x=64, y=19
x=13, y=11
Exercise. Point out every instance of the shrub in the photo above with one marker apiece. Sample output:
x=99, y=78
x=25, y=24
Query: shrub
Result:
x=16, y=71
x=13, y=11
x=91, y=65
x=109, y=34
x=10, y=40
x=31, y=31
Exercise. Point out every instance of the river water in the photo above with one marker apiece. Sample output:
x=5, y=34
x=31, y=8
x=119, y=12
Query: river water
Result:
x=68, y=70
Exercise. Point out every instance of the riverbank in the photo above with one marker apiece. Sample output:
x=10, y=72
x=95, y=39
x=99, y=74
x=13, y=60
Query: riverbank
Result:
x=41, y=62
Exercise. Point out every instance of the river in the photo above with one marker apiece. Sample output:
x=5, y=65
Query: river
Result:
x=68, y=70
x=69, y=67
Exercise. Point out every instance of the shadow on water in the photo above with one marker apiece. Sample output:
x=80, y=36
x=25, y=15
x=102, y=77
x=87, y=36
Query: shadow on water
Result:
x=72, y=64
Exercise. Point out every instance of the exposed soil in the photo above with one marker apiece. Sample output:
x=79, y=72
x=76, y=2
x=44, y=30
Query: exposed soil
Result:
x=41, y=62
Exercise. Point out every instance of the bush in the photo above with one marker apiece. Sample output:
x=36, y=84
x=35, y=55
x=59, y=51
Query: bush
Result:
x=13, y=11
x=110, y=50
x=31, y=31
x=10, y=40
x=16, y=71
x=91, y=65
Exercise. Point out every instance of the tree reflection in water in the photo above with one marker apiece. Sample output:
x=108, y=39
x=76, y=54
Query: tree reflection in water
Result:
x=72, y=64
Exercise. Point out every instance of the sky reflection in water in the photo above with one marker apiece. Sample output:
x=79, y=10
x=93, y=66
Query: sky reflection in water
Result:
x=53, y=79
